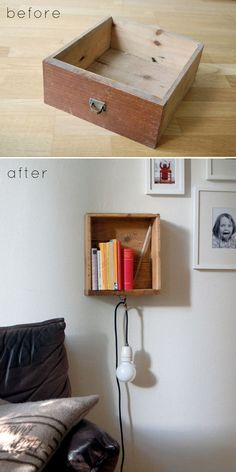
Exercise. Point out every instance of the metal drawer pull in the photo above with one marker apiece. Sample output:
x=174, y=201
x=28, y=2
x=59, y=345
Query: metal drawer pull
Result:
x=96, y=105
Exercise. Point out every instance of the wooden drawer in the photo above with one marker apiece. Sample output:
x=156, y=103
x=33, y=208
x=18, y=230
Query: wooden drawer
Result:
x=123, y=76
x=139, y=231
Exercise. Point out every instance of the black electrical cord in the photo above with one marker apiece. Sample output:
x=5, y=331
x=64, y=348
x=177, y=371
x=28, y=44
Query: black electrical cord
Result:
x=123, y=302
x=126, y=325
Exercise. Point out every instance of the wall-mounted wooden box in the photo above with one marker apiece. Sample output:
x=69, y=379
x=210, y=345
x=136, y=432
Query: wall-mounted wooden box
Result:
x=141, y=232
x=123, y=76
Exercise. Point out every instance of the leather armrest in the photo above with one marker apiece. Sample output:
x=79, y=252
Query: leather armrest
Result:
x=87, y=448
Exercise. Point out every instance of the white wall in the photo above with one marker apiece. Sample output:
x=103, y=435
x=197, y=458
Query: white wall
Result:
x=182, y=413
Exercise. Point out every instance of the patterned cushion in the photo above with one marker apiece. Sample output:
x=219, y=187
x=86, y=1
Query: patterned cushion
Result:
x=31, y=432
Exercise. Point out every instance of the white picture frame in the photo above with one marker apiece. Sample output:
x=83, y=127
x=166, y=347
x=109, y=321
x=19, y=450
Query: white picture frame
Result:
x=221, y=169
x=163, y=180
x=209, y=251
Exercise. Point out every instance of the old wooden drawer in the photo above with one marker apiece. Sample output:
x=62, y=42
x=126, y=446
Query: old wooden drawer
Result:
x=123, y=76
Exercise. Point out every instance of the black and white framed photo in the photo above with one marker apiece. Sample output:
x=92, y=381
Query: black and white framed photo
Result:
x=214, y=228
x=221, y=169
x=165, y=176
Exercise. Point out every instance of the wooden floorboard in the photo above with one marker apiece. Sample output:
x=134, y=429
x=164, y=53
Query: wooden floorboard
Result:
x=203, y=125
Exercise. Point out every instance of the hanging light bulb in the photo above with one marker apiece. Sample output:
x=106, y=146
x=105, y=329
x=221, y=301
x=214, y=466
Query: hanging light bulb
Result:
x=126, y=370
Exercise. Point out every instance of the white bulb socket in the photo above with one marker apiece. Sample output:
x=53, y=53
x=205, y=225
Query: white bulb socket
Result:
x=126, y=370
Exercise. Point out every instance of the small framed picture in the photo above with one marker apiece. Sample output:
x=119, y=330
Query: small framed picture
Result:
x=221, y=169
x=214, y=229
x=165, y=176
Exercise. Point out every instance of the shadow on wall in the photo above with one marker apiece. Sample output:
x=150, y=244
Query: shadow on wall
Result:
x=165, y=451
x=145, y=378
x=90, y=374
x=175, y=263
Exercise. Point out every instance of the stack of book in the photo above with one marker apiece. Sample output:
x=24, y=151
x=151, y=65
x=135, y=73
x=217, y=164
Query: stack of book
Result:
x=112, y=266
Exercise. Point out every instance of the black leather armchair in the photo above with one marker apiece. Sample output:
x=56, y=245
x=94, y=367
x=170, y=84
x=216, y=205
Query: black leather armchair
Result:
x=34, y=366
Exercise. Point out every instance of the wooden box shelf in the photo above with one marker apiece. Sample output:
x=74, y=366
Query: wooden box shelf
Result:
x=123, y=76
x=134, y=230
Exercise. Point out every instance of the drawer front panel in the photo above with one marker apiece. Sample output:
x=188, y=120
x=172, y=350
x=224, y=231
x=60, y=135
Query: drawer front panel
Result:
x=86, y=97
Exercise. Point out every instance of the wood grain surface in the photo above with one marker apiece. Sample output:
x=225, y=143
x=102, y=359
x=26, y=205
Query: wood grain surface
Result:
x=139, y=83
x=204, y=123
x=131, y=229
x=125, y=113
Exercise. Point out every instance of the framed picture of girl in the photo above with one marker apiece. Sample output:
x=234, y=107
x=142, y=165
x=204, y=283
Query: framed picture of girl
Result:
x=214, y=228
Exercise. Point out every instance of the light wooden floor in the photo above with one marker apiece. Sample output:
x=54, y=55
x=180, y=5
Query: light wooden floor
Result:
x=204, y=123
